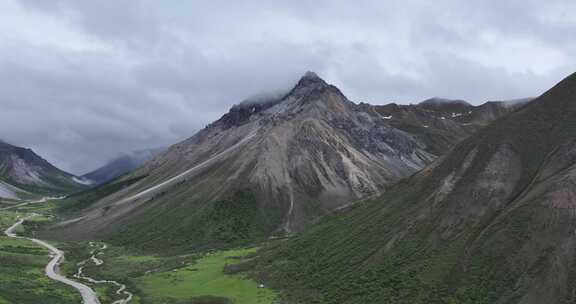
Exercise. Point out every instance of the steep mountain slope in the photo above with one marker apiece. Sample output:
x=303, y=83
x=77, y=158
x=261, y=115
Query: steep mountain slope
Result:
x=491, y=222
x=121, y=165
x=24, y=174
x=265, y=167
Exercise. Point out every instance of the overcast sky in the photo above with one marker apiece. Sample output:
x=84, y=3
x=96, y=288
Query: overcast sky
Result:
x=83, y=80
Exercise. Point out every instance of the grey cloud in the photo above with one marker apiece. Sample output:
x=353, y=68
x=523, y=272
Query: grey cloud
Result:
x=160, y=70
x=126, y=20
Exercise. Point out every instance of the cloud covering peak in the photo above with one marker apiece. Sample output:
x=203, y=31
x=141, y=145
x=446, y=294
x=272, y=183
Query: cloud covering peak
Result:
x=84, y=80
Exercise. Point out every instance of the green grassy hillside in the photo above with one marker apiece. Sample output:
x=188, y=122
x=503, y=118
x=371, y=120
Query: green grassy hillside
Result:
x=233, y=221
x=22, y=278
x=492, y=222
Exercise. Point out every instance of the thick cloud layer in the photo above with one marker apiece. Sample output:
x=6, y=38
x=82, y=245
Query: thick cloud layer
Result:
x=84, y=80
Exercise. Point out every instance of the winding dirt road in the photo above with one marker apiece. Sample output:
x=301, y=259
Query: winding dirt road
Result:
x=88, y=295
x=29, y=203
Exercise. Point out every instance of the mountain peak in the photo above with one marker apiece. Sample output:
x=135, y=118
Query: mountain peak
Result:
x=309, y=83
x=311, y=79
x=310, y=74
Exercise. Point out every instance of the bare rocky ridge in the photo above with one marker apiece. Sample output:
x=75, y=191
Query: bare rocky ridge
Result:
x=299, y=156
x=441, y=123
x=24, y=174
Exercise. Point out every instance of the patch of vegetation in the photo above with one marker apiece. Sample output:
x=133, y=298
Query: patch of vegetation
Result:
x=193, y=278
x=205, y=282
x=22, y=263
x=234, y=221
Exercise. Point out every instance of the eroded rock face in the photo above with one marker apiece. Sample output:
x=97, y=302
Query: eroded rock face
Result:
x=325, y=147
x=301, y=154
x=241, y=114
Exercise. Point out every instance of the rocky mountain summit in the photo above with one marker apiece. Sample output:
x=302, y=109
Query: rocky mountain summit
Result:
x=264, y=168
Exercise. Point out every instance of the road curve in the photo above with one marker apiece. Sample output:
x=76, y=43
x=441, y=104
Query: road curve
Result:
x=88, y=295
x=42, y=200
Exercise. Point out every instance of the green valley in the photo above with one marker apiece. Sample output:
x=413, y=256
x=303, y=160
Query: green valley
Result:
x=190, y=278
x=22, y=263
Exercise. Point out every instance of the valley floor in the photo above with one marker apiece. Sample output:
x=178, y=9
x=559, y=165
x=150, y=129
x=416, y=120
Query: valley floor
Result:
x=198, y=278
x=118, y=275
x=22, y=262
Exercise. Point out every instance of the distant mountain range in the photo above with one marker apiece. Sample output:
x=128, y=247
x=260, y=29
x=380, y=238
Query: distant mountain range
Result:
x=121, y=165
x=24, y=174
x=272, y=167
x=493, y=221
x=441, y=123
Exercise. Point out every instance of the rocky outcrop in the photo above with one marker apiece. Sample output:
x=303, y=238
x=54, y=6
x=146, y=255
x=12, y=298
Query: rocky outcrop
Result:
x=299, y=156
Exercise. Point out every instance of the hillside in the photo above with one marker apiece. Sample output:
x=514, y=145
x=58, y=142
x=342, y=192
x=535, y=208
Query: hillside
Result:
x=491, y=222
x=24, y=174
x=265, y=168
